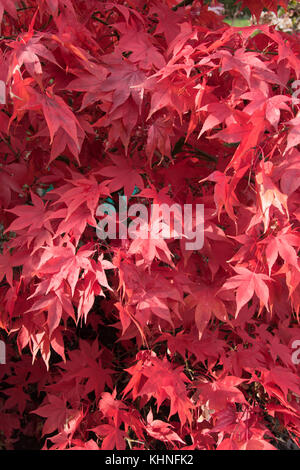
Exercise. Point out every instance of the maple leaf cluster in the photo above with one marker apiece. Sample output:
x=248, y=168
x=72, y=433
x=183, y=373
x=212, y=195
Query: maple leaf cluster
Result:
x=143, y=344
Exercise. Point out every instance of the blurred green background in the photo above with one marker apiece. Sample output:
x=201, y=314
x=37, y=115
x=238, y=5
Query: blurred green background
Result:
x=287, y=21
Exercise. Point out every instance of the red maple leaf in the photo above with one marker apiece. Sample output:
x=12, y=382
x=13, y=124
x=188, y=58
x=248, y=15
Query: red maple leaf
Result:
x=206, y=304
x=9, y=6
x=217, y=394
x=123, y=174
x=247, y=282
x=161, y=430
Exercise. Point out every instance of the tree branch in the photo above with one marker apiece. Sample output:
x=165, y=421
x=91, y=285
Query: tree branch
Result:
x=184, y=3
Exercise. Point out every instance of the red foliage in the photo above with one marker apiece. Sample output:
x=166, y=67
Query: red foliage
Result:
x=143, y=344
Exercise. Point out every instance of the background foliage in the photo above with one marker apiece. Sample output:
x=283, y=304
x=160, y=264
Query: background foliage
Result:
x=142, y=344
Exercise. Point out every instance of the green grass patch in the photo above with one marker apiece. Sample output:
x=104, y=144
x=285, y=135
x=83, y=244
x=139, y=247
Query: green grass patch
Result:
x=238, y=22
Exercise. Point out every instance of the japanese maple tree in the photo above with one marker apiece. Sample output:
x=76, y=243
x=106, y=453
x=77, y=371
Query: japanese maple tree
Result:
x=123, y=343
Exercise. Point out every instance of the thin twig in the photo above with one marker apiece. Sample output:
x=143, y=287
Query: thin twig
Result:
x=184, y=3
